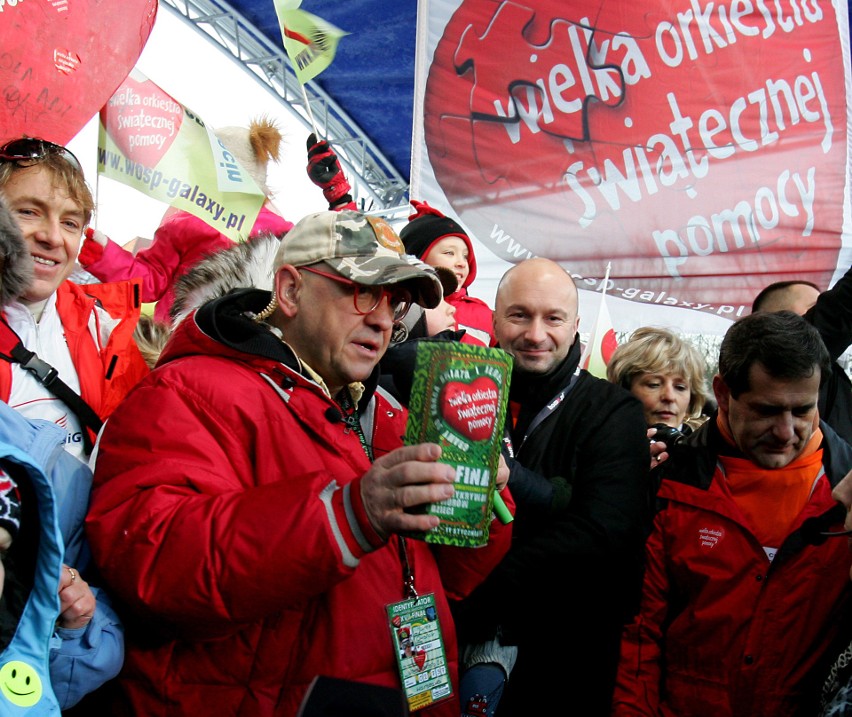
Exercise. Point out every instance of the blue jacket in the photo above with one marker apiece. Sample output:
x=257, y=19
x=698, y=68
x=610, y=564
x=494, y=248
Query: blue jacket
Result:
x=80, y=660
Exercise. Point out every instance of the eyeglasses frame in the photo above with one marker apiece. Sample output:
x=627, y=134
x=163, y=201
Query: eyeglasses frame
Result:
x=397, y=316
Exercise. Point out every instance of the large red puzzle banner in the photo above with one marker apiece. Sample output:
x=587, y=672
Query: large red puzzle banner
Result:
x=700, y=147
x=60, y=61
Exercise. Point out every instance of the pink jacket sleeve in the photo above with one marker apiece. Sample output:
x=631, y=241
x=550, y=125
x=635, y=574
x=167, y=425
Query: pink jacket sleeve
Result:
x=178, y=243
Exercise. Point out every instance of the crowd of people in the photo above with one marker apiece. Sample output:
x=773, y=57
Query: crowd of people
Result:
x=211, y=510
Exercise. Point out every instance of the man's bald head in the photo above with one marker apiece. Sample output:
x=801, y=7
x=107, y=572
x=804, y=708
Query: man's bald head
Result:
x=535, y=314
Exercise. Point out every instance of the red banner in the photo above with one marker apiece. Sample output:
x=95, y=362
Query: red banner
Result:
x=700, y=147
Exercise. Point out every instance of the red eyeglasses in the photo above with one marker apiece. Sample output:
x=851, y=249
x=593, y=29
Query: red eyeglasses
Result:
x=27, y=151
x=367, y=298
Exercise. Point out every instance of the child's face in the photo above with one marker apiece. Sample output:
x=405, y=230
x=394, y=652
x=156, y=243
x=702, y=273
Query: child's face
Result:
x=441, y=318
x=451, y=253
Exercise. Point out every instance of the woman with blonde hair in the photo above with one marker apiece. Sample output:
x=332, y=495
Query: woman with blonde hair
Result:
x=666, y=373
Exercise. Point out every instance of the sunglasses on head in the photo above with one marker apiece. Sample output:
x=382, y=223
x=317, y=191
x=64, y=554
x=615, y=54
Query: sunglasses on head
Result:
x=27, y=151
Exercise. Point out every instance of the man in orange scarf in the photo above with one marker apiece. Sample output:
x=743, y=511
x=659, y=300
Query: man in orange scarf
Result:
x=742, y=594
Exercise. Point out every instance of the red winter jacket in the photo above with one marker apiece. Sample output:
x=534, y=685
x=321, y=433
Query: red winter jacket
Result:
x=179, y=243
x=219, y=516
x=475, y=317
x=106, y=371
x=721, y=631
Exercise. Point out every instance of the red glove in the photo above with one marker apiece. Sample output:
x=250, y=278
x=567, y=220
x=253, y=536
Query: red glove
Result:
x=325, y=171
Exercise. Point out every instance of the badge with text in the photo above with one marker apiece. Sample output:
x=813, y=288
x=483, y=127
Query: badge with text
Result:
x=420, y=655
x=458, y=400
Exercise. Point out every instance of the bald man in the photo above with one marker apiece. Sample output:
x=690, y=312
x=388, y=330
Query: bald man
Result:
x=587, y=437
x=830, y=313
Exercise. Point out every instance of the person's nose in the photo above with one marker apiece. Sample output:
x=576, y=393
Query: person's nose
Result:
x=49, y=232
x=535, y=333
x=381, y=318
x=667, y=392
x=451, y=310
x=784, y=427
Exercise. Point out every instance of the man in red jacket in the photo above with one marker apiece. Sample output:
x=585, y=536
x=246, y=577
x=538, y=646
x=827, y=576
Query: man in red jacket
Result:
x=84, y=332
x=742, y=595
x=257, y=519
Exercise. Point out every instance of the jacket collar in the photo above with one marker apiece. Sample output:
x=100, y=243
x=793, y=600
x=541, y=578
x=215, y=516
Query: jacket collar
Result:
x=535, y=389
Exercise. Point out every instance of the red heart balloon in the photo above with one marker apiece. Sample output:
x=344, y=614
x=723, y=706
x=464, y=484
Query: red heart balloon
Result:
x=470, y=409
x=61, y=61
x=420, y=659
x=142, y=120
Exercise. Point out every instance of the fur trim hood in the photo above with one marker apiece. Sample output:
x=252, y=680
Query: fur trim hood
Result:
x=244, y=265
x=17, y=271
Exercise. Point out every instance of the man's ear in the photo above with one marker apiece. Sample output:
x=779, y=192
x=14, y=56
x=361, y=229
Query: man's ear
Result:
x=288, y=283
x=722, y=393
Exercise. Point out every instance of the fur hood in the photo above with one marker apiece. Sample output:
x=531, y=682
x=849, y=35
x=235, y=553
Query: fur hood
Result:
x=17, y=271
x=244, y=265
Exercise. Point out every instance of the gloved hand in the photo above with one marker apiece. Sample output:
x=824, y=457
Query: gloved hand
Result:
x=325, y=171
x=96, y=236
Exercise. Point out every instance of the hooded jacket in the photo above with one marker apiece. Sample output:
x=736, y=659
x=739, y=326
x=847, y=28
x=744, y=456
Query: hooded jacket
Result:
x=721, y=630
x=98, y=322
x=426, y=227
x=230, y=524
x=30, y=597
x=80, y=660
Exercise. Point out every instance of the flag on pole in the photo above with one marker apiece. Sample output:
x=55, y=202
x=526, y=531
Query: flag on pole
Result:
x=310, y=41
x=154, y=144
x=602, y=341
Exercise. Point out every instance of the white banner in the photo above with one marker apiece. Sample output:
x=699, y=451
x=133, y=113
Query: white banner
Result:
x=701, y=148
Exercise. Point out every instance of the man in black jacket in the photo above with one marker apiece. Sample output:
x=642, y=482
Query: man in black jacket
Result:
x=572, y=576
x=830, y=313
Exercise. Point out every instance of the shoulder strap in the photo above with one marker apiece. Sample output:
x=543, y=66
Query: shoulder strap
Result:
x=13, y=350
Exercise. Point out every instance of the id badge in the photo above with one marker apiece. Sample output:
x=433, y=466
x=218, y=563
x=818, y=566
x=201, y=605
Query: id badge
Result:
x=419, y=646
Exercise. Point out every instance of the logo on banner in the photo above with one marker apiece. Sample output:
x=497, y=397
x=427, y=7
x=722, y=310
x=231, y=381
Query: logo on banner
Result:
x=151, y=142
x=647, y=136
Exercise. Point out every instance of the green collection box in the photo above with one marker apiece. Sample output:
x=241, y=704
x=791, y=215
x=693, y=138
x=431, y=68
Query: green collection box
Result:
x=458, y=400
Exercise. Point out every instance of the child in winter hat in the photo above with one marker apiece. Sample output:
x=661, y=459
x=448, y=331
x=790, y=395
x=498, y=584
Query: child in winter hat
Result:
x=439, y=240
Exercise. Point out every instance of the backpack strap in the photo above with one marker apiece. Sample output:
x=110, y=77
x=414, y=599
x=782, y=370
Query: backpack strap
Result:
x=13, y=350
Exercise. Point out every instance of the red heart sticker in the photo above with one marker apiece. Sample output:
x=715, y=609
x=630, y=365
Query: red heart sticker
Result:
x=62, y=61
x=420, y=658
x=470, y=409
x=142, y=120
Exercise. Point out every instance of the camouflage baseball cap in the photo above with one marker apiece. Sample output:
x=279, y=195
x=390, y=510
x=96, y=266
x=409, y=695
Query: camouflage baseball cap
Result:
x=364, y=249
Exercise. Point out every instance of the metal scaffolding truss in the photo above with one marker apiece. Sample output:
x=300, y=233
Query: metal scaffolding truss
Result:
x=377, y=186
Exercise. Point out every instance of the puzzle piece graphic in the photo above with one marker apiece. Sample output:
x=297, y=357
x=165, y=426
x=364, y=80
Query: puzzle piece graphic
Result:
x=541, y=82
x=512, y=79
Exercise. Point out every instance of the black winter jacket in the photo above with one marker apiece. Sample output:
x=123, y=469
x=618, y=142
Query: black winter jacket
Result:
x=571, y=579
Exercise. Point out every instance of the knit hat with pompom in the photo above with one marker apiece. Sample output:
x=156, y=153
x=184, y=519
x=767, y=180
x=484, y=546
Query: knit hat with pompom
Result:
x=428, y=225
x=254, y=147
